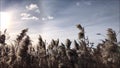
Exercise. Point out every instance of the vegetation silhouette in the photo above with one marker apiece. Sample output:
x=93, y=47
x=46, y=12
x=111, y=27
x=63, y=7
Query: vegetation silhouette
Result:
x=22, y=54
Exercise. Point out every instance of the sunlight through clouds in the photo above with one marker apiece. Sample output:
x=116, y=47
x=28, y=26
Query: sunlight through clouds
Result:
x=5, y=20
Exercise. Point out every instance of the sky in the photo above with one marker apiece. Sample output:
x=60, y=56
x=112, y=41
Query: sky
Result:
x=53, y=19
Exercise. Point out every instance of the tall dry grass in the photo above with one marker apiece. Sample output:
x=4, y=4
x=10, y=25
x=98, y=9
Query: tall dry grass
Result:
x=84, y=54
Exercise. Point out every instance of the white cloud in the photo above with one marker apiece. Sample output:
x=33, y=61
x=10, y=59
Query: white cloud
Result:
x=50, y=17
x=43, y=19
x=32, y=7
x=26, y=16
x=47, y=18
x=30, y=18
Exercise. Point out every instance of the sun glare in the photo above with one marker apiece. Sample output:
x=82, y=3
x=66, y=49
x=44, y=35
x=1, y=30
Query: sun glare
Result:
x=5, y=20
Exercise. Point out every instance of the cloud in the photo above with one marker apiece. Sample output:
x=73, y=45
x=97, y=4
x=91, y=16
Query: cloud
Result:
x=47, y=18
x=26, y=16
x=50, y=17
x=30, y=13
x=32, y=7
x=30, y=18
x=43, y=19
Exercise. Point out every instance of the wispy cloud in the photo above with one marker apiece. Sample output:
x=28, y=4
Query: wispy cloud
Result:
x=44, y=19
x=47, y=18
x=26, y=16
x=30, y=18
x=50, y=17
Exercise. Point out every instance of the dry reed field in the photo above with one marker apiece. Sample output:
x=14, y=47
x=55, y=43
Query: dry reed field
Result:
x=22, y=54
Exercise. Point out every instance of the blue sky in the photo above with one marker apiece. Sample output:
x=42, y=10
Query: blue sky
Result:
x=57, y=18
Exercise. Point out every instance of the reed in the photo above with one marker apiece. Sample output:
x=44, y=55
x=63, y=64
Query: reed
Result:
x=23, y=54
